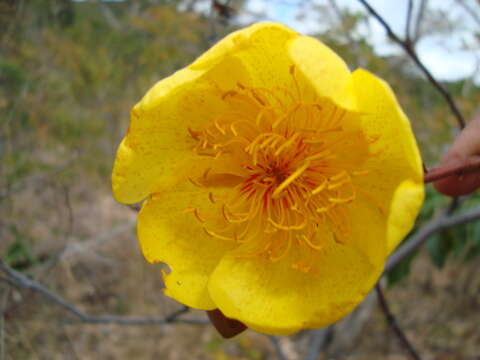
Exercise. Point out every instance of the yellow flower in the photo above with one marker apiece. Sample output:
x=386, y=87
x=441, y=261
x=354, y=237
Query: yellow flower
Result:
x=276, y=181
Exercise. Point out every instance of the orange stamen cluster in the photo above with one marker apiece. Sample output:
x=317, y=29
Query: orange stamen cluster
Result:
x=292, y=180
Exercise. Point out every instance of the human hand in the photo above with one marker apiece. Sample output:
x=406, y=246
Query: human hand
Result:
x=465, y=152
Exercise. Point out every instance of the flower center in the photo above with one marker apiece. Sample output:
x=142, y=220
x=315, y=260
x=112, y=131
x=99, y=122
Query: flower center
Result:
x=291, y=158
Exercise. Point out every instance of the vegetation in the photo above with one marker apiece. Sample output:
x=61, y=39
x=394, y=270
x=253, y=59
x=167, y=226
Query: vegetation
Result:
x=69, y=74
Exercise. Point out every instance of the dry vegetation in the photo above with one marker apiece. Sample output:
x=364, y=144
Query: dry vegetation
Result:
x=67, y=84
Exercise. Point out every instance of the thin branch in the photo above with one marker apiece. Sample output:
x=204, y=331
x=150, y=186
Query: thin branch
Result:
x=3, y=305
x=418, y=24
x=439, y=224
x=392, y=322
x=321, y=338
x=470, y=11
x=413, y=55
x=441, y=172
x=408, y=22
x=15, y=277
x=278, y=349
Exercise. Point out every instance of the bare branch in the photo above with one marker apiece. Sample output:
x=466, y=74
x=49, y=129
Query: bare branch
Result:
x=418, y=24
x=392, y=322
x=408, y=21
x=15, y=277
x=278, y=349
x=320, y=339
x=441, y=223
x=441, y=172
x=3, y=305
x=413, y=55
x=470, y=11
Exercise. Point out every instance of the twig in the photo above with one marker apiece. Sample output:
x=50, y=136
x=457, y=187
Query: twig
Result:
x=413, y=55
x=408, y=22
x=393, y=323
x=439, y=224
x=320, y=340
x=278, y=349
x=441, y=172
x=14, y=277
x=418, y=27
x=470, y=11
x=3, y=306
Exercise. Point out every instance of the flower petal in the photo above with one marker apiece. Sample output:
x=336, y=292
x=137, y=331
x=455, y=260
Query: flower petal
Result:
x=262, y=50
x=167, y=233
x=395, y=178
x=324, y=70
x=273, y=298
x=157, y=150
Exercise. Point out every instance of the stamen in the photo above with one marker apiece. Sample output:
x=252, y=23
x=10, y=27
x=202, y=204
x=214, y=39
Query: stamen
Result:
x=196, y=183
x=217, y=125
x=194, y=134
x=198, y=216
x=284, y=253
x=320, y=187
x=257, y=97
x=229, y=93
x=338, y=176
x=335, y=185
x=218, y=236
x=290, y=227
x=205, y=173
x=360, y=172
x=290, y=179
x=211, y=198
x=311, y=243
x=342, y=200
x=228, y=216
x=286, y=144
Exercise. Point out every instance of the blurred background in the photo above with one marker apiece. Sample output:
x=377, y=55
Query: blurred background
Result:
x=70, y=71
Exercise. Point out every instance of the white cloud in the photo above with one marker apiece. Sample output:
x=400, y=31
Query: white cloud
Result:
x=445, y=55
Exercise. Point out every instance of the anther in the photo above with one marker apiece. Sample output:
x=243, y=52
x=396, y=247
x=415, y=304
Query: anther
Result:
x=211, y=198
x=290, y=179
x=320, y=187
x=196, y=183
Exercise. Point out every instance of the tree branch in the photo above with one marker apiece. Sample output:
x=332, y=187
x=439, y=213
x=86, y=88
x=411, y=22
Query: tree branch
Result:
x=18, y=279
x=392, y=322
x=408, y=22
x=441, y=172
x=439, y=224
x=413, y=55
x=320, y=339
x=278, y=349
x=418, y=27
x=470, y=11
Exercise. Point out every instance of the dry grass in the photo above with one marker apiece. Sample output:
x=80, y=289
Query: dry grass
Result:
x=101, y=270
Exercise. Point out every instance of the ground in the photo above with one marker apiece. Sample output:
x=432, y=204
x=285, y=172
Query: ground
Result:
x=100, y=269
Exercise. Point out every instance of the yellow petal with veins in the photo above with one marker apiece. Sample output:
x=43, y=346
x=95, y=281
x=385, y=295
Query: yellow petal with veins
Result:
x=275, y=299
x=278, y=181
x=156, y=152
x=169, y=231
x=324, y=70
x=395, y=173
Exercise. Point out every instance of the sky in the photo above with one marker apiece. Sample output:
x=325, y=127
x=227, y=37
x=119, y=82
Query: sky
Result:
x=444, y=54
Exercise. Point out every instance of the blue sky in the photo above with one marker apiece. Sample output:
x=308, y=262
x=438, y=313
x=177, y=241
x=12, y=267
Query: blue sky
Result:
x=444, y=54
